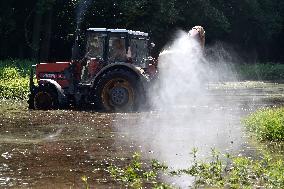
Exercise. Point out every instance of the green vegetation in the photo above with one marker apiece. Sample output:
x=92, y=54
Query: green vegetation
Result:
x=268, y=71
x=22, y=66
x=14, y=76
x=14, y=79
x=136, y=176
x=218, y=172
x=267, y=124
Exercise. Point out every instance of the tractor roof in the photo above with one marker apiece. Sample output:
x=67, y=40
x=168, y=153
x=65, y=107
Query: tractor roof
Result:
x=137, y=33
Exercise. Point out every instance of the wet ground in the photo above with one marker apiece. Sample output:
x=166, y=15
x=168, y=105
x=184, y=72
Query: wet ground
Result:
x=54, y=149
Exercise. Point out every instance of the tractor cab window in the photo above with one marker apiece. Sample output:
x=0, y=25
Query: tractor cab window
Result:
x=95, y=45
x=117, y=49
x=94, y=51
x=139, y=50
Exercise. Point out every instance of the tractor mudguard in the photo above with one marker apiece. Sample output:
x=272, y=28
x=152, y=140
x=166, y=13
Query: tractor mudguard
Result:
x=139, y=72
x=62, y=99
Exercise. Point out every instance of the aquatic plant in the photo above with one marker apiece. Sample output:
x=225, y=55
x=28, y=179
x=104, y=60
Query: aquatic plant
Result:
x=136, y=176
x=218, y=172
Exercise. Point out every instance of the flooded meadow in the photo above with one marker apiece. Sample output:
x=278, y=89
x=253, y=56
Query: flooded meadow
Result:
x=54, y=149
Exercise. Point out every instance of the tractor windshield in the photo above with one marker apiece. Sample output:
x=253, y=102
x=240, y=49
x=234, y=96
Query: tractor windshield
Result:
x=139, y=50
x=117, y=49
x=95, y=45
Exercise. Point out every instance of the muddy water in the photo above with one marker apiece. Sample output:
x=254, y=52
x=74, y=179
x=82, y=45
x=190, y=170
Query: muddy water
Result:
x=54, y=149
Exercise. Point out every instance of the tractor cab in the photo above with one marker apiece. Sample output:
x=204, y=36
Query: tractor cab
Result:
x=117, y=45
x=139, y=46
x=110, y=46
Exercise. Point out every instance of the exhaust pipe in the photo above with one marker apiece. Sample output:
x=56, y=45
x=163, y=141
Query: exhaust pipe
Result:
x=32, y=85
x=76, y=47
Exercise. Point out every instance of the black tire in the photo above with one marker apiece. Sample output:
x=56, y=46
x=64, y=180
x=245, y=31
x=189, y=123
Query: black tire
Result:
x=45, y=98
x=31, y=101
x=118, y=90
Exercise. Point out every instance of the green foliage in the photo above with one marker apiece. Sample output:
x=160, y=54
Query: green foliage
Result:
x=206, y=173
x=268, y=71
x=256, y=173
x=14, y=79
x=44, y=5
x=235, y=172
x=208, y=14
x=23, y=66
x=252, y=25
x=136, y=176
x=267, y=124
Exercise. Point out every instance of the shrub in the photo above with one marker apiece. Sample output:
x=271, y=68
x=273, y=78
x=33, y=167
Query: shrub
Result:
x=23, y=66
x=267, y=124
x=12, y=84
x=14, y=78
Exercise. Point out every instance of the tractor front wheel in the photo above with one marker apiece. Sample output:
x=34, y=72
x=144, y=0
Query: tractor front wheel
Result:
x=45, y=99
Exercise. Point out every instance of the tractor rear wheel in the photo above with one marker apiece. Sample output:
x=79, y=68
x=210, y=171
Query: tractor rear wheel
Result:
x=118, y=90
x=45, y=99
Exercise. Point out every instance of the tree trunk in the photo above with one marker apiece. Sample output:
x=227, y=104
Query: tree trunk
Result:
x=44, y=54
x=36, y=34
x=20, y=51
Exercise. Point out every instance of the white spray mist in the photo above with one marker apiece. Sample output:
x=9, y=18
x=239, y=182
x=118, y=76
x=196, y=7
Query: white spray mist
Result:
x=185, y=114
x=183, y=75
x=81, y=9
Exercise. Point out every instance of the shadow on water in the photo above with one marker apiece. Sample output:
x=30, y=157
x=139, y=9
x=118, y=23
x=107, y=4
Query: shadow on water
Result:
x=53, y=149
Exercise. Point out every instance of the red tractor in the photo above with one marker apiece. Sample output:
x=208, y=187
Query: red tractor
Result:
x=113, y=76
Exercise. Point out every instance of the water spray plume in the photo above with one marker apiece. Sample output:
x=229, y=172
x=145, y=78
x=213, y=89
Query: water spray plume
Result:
x=182, y=70
x=81, y=9
x=185, y=113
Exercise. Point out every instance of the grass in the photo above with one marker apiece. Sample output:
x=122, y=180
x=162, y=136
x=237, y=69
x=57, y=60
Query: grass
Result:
x=267, y=124
x=221, y=171
x=260, y=71
x=14, y=79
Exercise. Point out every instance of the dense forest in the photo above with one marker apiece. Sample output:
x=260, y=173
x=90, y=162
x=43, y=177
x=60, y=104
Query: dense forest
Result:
x=43, y=29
